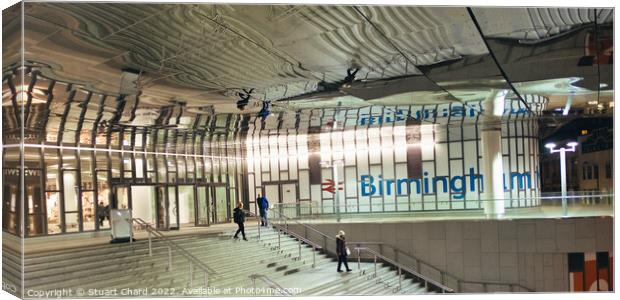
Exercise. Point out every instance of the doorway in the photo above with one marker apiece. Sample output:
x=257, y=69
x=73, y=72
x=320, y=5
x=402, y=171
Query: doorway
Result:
x=284, y=193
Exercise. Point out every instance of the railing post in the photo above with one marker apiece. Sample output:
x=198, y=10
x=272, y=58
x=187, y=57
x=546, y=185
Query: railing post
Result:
x=359, y=265
x=400, y=279
x=258, y=227
x=206, y=279
x=313, y=256
x=169, y=258
x=150, y=246
x=191, y=275
x=279, y=232
x=375, y=266
x=299, y=250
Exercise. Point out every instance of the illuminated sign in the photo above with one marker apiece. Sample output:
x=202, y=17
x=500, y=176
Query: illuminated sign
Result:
x=457, y=185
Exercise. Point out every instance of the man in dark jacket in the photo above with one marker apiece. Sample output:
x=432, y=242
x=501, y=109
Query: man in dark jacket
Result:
x=239, y=218
x=341, y=251
x=263, y=206
x=101, y=213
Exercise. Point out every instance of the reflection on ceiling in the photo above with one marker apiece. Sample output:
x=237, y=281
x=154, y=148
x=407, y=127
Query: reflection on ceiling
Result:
x=95, y=69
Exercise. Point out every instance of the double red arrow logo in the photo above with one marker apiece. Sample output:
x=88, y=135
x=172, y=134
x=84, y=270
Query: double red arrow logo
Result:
x=330, y=186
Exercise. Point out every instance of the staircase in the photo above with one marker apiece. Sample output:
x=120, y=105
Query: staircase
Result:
x=117, y=270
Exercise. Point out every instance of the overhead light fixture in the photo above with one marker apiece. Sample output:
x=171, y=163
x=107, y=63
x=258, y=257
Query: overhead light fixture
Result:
x=593, y=102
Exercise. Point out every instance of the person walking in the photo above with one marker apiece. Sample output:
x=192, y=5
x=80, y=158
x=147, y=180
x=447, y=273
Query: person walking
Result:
x=342, y=251
x=101, y=213
x=263, y=207
x=239, y=218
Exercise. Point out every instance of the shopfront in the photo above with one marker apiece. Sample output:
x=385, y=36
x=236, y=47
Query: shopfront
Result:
x=74, y=164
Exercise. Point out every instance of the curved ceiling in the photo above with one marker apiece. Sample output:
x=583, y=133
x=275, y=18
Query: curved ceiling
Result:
x=204, y=54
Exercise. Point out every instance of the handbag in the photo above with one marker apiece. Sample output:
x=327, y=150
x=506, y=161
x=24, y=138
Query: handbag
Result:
x=348, y=251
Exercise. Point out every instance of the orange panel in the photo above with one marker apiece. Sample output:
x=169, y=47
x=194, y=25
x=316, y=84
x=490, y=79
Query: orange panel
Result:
x=603, y=274
x=577, y=282
x=590, y=274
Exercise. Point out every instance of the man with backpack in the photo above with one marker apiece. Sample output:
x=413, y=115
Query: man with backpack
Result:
x=239, y=218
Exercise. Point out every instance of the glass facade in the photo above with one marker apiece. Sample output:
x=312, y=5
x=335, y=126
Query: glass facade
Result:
x=81, y=154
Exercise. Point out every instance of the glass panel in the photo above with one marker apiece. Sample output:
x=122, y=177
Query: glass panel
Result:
x=86, y=171
x=203, y=212
x=53, y=212
x=172, y=207
x=71, y=219
x=143, y=203
x=122, y=197
x=51, y=170
x=221, y=204
x=186, y=205
x=103, y=197
x=88, y=211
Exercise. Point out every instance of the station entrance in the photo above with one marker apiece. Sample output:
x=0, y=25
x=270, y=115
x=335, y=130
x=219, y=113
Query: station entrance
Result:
x=169, y=207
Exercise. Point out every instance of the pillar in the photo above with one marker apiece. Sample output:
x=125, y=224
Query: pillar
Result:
x=492, y=161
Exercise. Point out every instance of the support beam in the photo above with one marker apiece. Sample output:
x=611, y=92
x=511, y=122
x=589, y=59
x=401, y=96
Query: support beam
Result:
x=491, y=141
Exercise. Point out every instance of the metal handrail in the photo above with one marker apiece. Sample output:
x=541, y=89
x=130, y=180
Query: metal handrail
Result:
x=171, y=244
x=272, y=284
x=401, y=268
x=442, y=273
x=487, y=283
x=300, y=238
x=546, y=200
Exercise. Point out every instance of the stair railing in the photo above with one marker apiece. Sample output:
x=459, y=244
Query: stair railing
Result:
x=281, y=217
x=428, y=282
x=297, y=236
x=193, y=261
x=444, y=276
x=272, y=284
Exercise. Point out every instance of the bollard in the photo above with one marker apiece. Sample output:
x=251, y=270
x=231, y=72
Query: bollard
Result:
x=358, y=259
x=299, y=250
x=400, y=279
x=279, y=232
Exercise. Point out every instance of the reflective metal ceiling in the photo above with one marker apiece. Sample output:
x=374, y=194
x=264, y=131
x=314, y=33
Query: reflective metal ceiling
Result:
x=204, y=54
